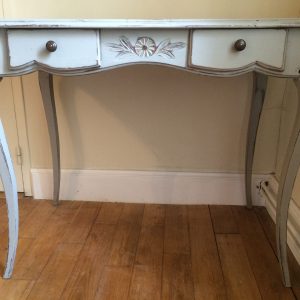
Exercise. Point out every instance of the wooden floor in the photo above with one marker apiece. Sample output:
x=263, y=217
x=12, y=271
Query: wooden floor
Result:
x=84, y=250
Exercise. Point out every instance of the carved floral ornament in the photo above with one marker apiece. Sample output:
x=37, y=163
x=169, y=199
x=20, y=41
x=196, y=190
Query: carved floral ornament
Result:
x=146, y=47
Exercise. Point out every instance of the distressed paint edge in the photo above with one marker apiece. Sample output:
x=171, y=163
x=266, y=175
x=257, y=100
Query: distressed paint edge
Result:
x=151, y=23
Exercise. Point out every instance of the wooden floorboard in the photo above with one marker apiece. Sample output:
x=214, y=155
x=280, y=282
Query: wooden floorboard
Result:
x=26, y=206
x=89, y=250
x=36, y=219
x=223, y=219
x=176, y=230
x=206, y=266
x=109, y=213
x=125, y=241
x=177, y=278
x=154, y=214
x=54, y=277
x=81, y=225
x=177, y=281
x=15, y=289
x=239, y=279
x=261, y=256
x=147, y=270
x=37, y=255
x=269, y=228
x=114, y=283
x=84, y=280
x=117, y=273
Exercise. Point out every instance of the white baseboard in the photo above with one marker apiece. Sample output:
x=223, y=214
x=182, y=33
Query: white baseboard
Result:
x=147, y=187
x=293, y=237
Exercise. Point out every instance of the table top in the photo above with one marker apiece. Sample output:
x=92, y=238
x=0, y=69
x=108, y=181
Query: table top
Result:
x=163, y=23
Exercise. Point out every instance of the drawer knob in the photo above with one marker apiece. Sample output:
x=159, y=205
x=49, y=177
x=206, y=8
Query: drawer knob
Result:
x=51, y=46
x=240, y=45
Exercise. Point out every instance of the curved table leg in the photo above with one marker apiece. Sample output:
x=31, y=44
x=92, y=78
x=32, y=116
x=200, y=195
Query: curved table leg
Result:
x=10, y=187
x=288, y=176
x=46, y=87
x=259, y=89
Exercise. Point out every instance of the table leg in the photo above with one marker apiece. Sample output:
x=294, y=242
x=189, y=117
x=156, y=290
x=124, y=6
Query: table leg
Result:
x=287, y=179
x=259, y=89
x=10, y=187
x=46, y=87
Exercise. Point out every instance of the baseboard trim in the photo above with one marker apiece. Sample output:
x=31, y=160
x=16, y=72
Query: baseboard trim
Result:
x=269, y=192
x=147, y=187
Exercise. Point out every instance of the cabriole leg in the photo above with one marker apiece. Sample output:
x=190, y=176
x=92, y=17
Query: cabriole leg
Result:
x=10, y=187
x=287, y=179
x=259, y=89
x=46, y=87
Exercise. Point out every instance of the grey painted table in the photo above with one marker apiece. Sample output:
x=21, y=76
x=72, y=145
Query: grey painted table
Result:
x=209, y=47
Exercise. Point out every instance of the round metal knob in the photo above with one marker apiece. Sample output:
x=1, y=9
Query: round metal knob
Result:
x=240, y=45
x=51, y=46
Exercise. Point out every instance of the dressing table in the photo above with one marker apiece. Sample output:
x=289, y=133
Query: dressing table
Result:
x=209, y=47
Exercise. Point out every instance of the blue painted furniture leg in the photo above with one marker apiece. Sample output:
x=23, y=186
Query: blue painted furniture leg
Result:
x=259, y=90
x=47, y=91
x=10, y=187
x=288, y=176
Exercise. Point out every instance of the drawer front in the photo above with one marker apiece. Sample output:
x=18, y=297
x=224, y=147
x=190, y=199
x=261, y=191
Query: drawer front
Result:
x=126, y=46
x=215, y=49
x=76, y=49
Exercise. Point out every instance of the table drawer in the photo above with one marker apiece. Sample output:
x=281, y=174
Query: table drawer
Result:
x=76, y=49
x=215, y=49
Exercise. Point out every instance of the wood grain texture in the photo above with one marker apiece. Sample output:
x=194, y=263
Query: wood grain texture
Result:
x=125, y=241
x=123, y=249
x=150, y=246
x=15, y=289
x=269, y=229
x=114, y=284
x=80, y=227
x=132, y=214
x=26, y=206
x=23, y=246
x=223, y=219
x=56, y=273
x=145, y=282
x=147, y=271
x=267, y=225
x=177, y=282
x=176, y=230
x=83, y=283
x=122, y=254
x=261, y=257
x=154, y=214
x=36, y=219
x=239, y=279
x=36, y=257
x=4, y=219
x=204, y=255
x=124, y=257
x=109, y=213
